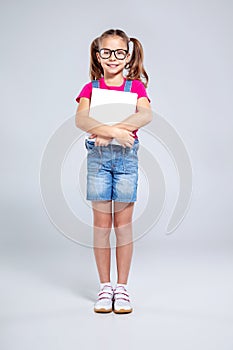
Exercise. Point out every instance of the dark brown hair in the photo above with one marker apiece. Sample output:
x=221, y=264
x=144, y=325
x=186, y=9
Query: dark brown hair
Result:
x=135, y=66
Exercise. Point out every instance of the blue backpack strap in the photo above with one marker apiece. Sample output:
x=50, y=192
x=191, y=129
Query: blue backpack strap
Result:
x=95, y=83
x=128, y=85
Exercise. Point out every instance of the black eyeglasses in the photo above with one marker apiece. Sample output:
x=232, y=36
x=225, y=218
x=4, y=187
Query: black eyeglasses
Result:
x=120, y=54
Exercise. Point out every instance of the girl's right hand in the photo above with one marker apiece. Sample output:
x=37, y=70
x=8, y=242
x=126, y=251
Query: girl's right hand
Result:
x=124, y=137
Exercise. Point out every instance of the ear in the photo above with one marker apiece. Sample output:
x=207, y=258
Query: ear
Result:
x=127, y=59
x=98, y=57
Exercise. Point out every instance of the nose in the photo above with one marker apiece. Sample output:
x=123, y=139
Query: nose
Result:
x=112, y=57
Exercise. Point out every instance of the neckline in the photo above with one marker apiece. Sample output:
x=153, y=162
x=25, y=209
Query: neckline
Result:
x=118, y=86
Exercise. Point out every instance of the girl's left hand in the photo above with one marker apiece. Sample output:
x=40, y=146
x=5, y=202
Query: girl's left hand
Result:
x=100, y=140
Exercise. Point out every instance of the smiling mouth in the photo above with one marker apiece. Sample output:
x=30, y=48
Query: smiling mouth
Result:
x=112, y=65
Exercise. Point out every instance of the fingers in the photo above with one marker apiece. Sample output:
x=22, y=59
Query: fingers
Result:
x=126, y=139
x=126, y=143
x=131, y=139
x=102, y=141
x=92, y=136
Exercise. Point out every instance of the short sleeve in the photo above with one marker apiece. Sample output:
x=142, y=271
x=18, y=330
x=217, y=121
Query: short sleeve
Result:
x=85, y=92
x=140, y=89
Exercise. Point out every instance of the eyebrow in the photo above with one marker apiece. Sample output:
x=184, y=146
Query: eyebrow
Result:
x=106, y=48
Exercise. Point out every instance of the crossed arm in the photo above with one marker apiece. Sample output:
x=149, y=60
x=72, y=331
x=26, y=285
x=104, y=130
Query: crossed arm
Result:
x=122, y=131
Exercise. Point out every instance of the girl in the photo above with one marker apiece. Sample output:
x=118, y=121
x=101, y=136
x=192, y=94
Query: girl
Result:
x=112, y=169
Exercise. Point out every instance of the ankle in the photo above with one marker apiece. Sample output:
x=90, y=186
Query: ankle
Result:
x=102, y=284
x=121, y=285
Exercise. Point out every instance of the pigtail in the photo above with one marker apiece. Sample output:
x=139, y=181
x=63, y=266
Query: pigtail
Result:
x=96, y=71
x=135, y=66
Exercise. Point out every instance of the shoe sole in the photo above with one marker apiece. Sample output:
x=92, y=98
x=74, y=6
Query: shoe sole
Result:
x=103, y=311
x=122, y=311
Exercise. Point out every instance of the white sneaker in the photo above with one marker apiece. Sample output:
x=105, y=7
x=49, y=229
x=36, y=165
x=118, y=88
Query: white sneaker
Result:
x=105, y=299
x=121, y=302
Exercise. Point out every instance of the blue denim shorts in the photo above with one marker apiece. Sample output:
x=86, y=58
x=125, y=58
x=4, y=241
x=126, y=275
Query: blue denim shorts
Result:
x=112, y=172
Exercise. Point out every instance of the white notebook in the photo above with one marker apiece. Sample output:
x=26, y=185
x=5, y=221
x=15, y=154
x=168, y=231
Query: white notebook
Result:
x=112, y=106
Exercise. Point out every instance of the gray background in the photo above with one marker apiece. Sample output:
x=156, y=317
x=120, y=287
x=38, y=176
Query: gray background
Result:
x=180, y=284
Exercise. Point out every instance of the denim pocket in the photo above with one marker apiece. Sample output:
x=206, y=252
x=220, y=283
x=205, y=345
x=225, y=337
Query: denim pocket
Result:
x=131, y=157
x=94, y=156
x=134, y=148
x=136, y=145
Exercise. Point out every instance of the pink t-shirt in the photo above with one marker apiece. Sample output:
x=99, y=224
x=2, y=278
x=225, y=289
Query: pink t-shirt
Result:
x=137, y=87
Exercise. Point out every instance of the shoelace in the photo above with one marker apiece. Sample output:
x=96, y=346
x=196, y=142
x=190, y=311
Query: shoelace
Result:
x=103, y=292
x=123, y=295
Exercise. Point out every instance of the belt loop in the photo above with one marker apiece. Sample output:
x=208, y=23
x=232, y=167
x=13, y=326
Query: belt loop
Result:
x=111, y=154
x=123, y=158
x=100, y=152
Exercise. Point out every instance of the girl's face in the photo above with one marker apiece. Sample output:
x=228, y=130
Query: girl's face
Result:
x=113, y=63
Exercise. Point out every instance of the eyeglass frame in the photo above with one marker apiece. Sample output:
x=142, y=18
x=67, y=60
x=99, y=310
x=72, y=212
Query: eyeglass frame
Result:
x=111, y=51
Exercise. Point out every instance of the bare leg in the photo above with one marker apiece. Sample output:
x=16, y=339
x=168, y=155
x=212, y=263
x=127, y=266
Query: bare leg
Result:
x=102, y=211
x=124, y=246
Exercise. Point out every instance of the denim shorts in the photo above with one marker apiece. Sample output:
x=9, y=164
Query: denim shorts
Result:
x=112, y=172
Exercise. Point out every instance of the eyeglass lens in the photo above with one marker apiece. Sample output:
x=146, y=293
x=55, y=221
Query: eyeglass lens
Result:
x=120, y=54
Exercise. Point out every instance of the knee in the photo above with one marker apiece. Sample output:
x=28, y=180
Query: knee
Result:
x=118, y=223
x=103, y=224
